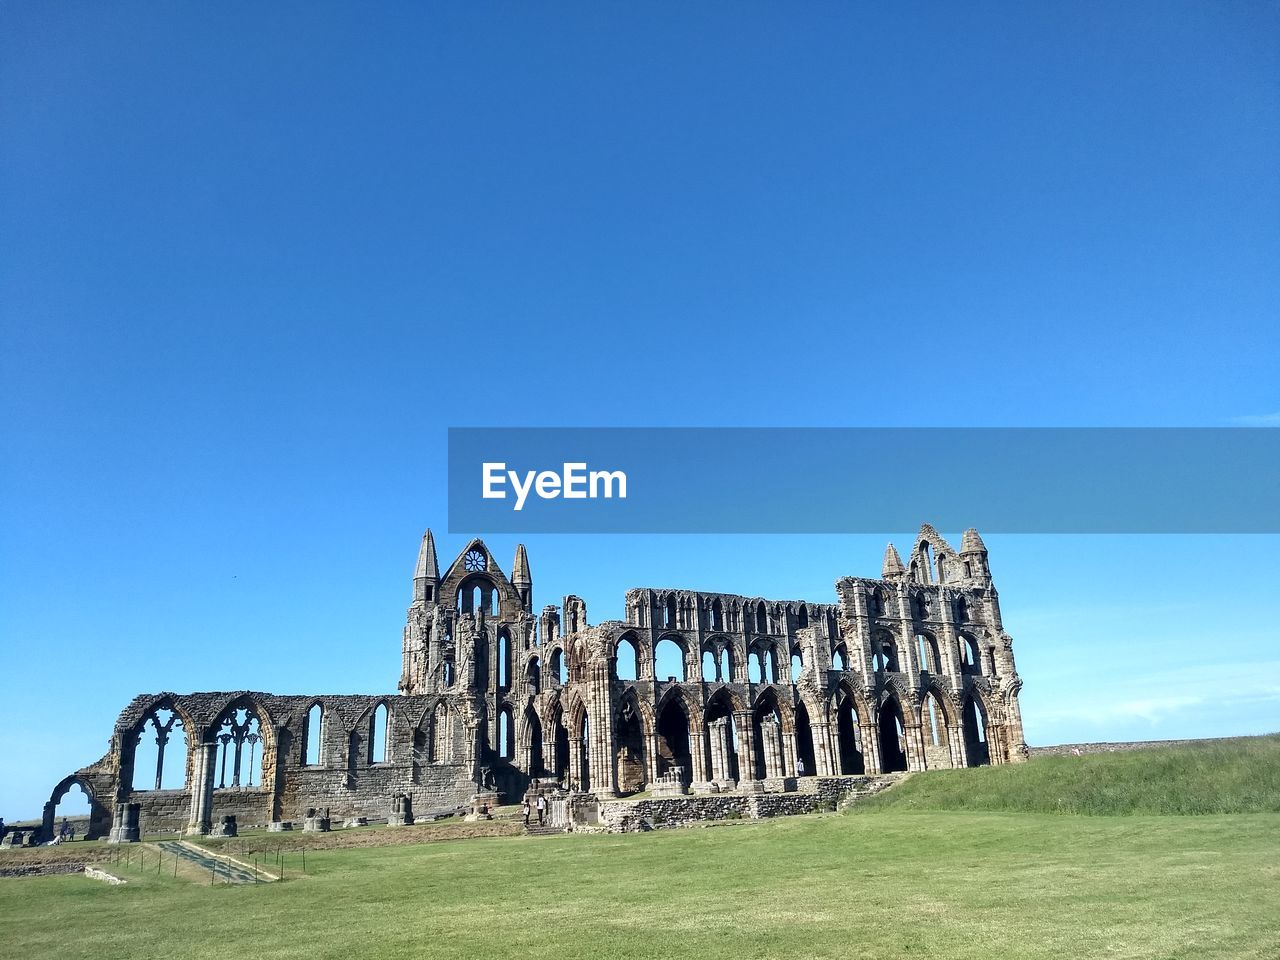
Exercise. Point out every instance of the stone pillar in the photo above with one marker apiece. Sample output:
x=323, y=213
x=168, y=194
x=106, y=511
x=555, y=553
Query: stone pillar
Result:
x=202, y=777
x=822, y=740
x=720, y=749
x=698, y=751
x=871, y=748
x=771, y=734
x=575, y=763
x=907, y=638
x=747, y=744
x=125, y=827
x=788, y=755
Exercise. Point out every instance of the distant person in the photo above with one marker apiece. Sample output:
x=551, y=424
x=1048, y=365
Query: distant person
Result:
x=2, y=828
x=71, y=831
x=526, y=811
x=1075, y=752
x=800, y=767
x=542, y=808
x=64, y=829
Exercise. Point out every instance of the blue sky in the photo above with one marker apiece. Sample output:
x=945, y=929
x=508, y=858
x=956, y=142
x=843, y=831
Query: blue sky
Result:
x=257, y=261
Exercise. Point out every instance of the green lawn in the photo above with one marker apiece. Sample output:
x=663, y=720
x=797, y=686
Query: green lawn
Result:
x=1226, y=776
x=887, y=883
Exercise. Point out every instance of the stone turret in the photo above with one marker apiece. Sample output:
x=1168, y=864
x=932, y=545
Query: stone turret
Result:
x=521, y=578
x=426, y=575
x=893, y=568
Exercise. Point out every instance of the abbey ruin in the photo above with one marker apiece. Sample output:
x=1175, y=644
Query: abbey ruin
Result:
x=702, y=693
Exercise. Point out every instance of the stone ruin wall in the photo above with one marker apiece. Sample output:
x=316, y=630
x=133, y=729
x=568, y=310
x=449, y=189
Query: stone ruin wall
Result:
x=898, y=674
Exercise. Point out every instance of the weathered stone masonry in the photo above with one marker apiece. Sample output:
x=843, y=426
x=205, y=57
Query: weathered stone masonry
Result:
x=910, y=671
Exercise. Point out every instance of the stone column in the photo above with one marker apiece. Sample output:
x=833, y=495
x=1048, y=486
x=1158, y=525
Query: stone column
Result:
x=907, y=639
x=747, y=745
x=788, y=755
x=871, y=748
x=822, y=740
x=202, y=776
x=770, y=733
x=698, y=751
x=575, y=762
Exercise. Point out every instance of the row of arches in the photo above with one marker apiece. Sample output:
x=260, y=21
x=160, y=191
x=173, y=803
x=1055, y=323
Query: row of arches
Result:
x=156, y=751
x=724, y=741
x=686, y=611
x=717, y=663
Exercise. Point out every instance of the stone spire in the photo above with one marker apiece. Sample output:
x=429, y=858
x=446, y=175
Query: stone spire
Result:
x=893, y=568
x=520, y=576
x=522, y=579
x=427, y=572
x=972, y=543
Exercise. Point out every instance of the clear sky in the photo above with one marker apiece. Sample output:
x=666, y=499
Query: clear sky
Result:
x=256, y=260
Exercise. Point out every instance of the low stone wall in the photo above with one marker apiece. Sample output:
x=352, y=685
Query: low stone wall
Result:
x=1065, y=749
x=53, y=868
x=812, y=794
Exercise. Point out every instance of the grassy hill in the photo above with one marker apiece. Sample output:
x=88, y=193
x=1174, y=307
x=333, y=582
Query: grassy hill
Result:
x=1223, y=776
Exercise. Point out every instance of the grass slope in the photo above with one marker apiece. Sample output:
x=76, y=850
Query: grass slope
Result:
x=1228, y=776
x=897, y=884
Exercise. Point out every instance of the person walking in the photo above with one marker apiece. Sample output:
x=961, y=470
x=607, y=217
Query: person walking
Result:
x=542, y=808
x=525, y=810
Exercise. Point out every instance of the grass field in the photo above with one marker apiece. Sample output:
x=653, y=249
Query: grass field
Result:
x=1221, y=776
x=894, y=881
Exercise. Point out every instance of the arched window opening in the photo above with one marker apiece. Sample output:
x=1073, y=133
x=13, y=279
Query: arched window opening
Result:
x=925, y=564
x=717, y=615
x=506, y=734
x=378, y=734
x=762, y=618
x=533, y=674
x=886, y=653
x=805, y=757
x=628, y=659
x=673, y=741
x=668, y=661
x=314, y=735
x=933, y=721
x=726, y=665
x=160, y=752
x=72, y=812
x=559, y=669
x=722, y=740
x=709, y=667
x=442, y=734
x=773, y=665
x=893, y=740
x=584, y=755
x=562, y=748
x=504, y=660
x=631, y=748
x=238, y=738
x=669, y=613
x=802, y=618
x=837, y=660
x=974, y=720
x=534, y=728
x=927, y=650
x=797, y=666
x=972, y=657
x=962, y=605
x=851, y=759
x=755, y=666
